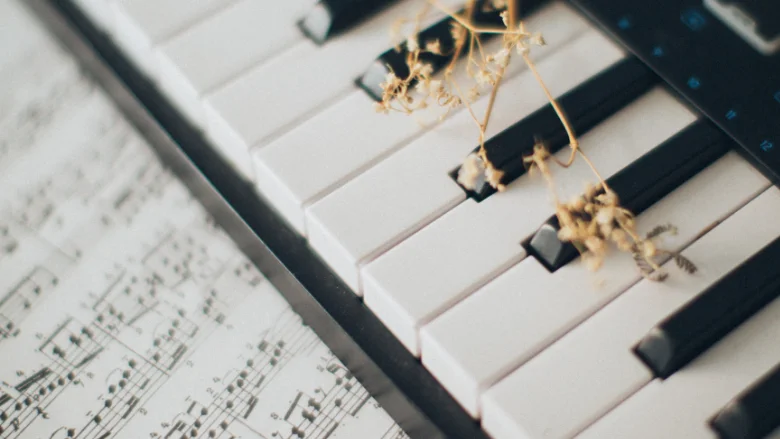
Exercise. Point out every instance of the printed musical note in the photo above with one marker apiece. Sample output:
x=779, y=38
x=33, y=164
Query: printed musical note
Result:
x=17, y=301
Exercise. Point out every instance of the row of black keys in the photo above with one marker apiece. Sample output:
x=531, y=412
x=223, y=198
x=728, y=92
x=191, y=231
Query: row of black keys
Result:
x=702, y=322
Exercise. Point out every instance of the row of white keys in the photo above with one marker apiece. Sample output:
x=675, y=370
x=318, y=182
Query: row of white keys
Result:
x=329, y=149
x=209, y=54
x=592, y=368
x=411, y=188
x=140, y=25
x=440, y=265
x=252, y=109
x=681, y=405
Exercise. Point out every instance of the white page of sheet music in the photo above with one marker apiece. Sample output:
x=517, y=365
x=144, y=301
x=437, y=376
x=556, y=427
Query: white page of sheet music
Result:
x=124, y=311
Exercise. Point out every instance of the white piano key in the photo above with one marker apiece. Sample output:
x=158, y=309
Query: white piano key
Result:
x=337, y=144
x=448, y=260
x=221, y=47
x=681, y=405
x=409, y=189
x=140, y=25
x=100, y=12
x=591, y=369
x=252, y=109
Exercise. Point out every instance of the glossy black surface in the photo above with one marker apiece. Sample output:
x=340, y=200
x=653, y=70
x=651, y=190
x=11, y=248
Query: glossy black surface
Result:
x=754, y=414
x=382, y=364
x=395, y=59
x=586, y=106
x=643, y=183
x=714, y=313
x=328, y=18
x=723, y=76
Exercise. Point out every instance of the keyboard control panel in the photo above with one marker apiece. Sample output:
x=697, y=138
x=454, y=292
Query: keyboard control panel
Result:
x=708, y=62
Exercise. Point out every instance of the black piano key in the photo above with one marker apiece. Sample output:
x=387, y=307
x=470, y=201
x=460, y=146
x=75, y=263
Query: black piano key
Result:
x=586, y=106
x=329, y=17
x=703, y=321
x=394, y=60
x=753, y=414
x=643, y=183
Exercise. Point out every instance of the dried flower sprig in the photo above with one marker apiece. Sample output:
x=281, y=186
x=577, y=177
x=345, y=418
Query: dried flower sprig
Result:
x=591, y=221
x=594, y=220
x=419, y=88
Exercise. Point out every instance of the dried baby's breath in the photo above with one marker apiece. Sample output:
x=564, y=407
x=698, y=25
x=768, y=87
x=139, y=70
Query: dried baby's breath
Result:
x=593, y=221
x=485, y=69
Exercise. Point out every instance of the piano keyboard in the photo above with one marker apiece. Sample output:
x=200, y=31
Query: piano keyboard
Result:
x=474, y=283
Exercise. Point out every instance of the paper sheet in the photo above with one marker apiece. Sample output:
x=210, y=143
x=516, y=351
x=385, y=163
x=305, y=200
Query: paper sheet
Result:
x=124, y=310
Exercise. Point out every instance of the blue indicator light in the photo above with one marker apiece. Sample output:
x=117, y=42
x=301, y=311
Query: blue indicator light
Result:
x=777, y=96
x=694, y=83
x=624, y=23
x=731, y=115
x=658, y=51
x=767, y=146
x=693, y=19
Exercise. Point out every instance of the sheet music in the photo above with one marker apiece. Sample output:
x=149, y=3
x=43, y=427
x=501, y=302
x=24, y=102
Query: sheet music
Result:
x=124, y=310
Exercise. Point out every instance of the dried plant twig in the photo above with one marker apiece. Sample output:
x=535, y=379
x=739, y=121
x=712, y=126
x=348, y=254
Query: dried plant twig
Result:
x=592, y=221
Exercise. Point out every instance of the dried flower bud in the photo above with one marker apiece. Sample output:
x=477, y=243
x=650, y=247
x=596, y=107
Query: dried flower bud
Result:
x=494, y=177
x=483, y=77
x=566, y=234
x=471, y=171
x=381, y=107
x=577, y=203
x=505, y=18
x=501, y=58
x=458, y=32
x=433, y=47
x=605, y=215
x=412, y=45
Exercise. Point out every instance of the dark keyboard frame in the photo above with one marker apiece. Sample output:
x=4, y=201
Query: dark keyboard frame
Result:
x=410, y=394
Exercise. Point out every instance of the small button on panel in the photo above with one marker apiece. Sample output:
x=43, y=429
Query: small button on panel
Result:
x=693, y=18
x=756, y=21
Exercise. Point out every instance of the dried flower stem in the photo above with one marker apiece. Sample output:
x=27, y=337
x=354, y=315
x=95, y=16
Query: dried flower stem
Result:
x=589, y=221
